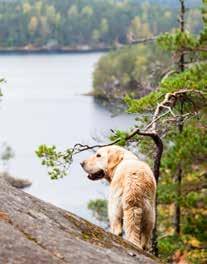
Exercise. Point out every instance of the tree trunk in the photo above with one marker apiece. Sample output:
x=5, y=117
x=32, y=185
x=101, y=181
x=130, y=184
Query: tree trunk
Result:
x=177, y=204
x=178, y=178
x=182, y=29
x=156, y=170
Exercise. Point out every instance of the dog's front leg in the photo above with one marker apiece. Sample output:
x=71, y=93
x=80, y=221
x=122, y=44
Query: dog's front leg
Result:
x=115, y=212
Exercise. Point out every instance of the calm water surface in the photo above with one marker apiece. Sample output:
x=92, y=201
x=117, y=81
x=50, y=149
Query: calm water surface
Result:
x=43, y=103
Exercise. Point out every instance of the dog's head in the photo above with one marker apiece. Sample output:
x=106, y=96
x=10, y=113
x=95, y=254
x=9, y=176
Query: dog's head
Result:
x=103, y=163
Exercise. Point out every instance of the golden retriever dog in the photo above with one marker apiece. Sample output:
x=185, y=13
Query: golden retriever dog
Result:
x=131, y=202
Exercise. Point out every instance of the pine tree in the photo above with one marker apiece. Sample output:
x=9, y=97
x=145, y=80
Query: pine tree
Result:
x=183, y=164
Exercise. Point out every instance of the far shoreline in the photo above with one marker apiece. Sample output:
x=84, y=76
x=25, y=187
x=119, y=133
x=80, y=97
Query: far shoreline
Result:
x=25, y=51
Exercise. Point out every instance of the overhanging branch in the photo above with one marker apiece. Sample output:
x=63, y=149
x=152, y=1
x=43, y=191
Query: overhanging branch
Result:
x=59, y=162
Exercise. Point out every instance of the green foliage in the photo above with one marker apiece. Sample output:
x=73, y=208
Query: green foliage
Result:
x=196, y=145
x=1, y=81
x=121, y=135
x=192, y=198
x=197, y=256
x=6, y=153
x=135, y=71
x=193, y=79
x=196, y=225
x=168, y=245
x=56, y=162
x=68, y=23
x=203, y=35
x=167, y=193
x=187, y=149
x=99, y=209
x=131, y=70
x=177, y=41
x=72, y=23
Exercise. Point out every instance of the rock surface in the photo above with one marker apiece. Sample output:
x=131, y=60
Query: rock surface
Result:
x=15, y=182
x=32, y=231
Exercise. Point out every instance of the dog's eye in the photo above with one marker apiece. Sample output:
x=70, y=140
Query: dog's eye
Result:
x=98, y=155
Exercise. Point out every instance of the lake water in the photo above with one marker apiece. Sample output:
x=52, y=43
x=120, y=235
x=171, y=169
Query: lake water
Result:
x=43, y=102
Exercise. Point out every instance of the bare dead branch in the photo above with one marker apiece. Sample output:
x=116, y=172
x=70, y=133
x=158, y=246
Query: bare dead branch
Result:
x=143, y=40
x=199, y=49
x=167, y=74
x=169, y=101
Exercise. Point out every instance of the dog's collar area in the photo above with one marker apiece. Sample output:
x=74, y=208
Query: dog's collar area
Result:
x=97, y=176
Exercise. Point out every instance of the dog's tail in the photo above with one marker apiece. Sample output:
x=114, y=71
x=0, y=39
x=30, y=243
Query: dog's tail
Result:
x=15, y=182
x=132, y=225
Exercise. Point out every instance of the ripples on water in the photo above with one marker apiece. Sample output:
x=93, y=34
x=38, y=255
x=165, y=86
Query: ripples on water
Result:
x=43, y=103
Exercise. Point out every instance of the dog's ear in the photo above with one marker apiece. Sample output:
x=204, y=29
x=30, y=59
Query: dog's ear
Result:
x=114, y=158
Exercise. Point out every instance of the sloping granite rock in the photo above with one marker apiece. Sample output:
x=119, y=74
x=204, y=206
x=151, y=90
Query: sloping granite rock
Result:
x=32, y=231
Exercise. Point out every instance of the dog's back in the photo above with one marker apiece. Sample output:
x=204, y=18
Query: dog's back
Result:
x=139, y=188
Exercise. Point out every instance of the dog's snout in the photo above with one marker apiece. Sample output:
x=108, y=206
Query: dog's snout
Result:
x=82, y=163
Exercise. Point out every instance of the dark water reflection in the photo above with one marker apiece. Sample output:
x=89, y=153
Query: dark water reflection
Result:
x=43, y=103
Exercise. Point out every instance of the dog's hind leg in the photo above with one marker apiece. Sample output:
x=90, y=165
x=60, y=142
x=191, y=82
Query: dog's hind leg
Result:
x=132, y=225
x=148, y=225
x=115, y=213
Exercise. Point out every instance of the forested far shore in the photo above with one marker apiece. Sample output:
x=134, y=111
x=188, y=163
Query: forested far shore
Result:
x=45, y=50
x=133, y=70
x=78, y=25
